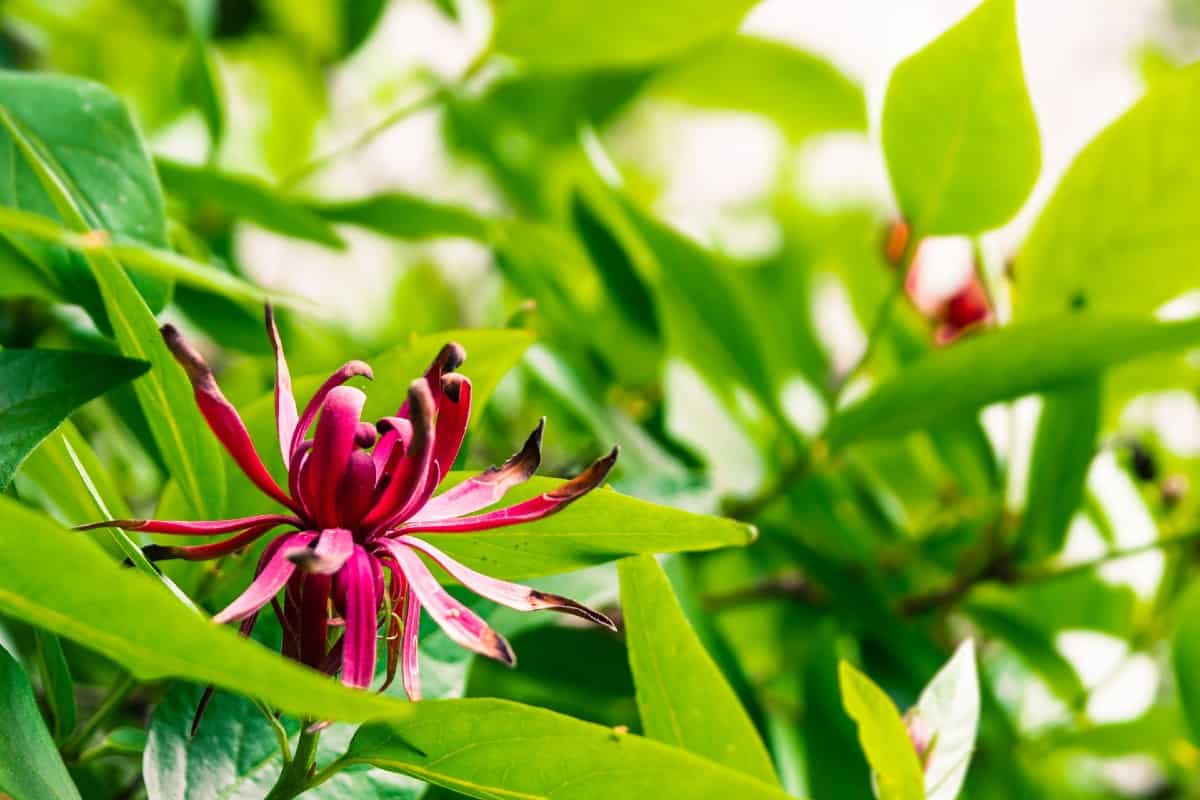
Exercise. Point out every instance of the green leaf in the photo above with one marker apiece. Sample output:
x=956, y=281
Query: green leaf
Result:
x=183, y=439
x=84, y=130
x=569, y=35
x=1121, y=231
x=683, y=698
x=998, y=614
x=133, y=621
x=949, y=706
x=1062, y=452
x=1003, y=364
x=57, y=684
x=496, y=749
x=959, y=132
x=1185, y=658
x=883, y=736
x=405, y=216
x=602, y=526
x=240, y=196
x=30, y=767
x=803, y=93
x=41, y=388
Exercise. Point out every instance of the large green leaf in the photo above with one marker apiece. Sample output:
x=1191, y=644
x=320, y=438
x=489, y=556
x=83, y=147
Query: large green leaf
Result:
x=1121, y=230
x=1062, y=452
x=30, y=767
x=602, y=526
x=683, y=699
x=563, y=35
x=85, y=131
x=40, y=388
x=244, y=197
x=959, y=132
x=190, y=451
x=1004, y=364
x=496, y=749
x=134, y=622
x=883, y=737
x=803, y=93
x=405, y=216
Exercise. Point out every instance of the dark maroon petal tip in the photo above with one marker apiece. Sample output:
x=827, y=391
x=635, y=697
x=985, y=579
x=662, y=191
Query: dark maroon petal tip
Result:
x=566, y=605
x=160, y=552
x=123, y=524
x=522, y=465
x=452, y=386
x=421, y=407
x=365, y=435
x=193, y=363
x=450, y=357
x=497, y=647
x=587, y=480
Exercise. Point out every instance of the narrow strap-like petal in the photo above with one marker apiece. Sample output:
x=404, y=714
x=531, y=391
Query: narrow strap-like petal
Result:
x=513, y=595
x=189, y=528
x=410, y=673
x=222, y=417
x=285, y=401
x=453, y=414
x=314, y=618
x=393, y=432
x=461, y=624
x=357, y=490
x=449, y=358
x=488, y=487
x=396, y=595
x=344, y=373
x=332, y=446
x=331, y=551
x=274, y=574
x=355, y=586
x=533, y=509
x=205, y=552
x=408, y=472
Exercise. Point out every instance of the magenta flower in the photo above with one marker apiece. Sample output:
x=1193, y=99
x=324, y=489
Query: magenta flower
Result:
x=357, y=493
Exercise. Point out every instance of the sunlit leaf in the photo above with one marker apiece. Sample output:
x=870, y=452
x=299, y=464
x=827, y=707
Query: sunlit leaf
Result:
x=578, y=34
x=497, y=749
x=1185, y=658
x=949, y=706
x=1121, y=230
x=405, y=216
x=959, y=133
x=30, y=767
x=41, y=388
x=1004, y=364
x=883, y=737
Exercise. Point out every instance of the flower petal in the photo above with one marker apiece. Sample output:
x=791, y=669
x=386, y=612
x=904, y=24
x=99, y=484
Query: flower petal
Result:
x=222, y=417
x=407, y=472
x=204, y=552
x=190, y=528
x=453, y=413
x=410, y=673
x=285, y=401
x=394, y=432
x=276, y=569
x=332, y=446
x=533, y=509
x=355, y=588
x=330, y=552
x=314, y=618
x=344, y=373
x=513, y=595
x=449, y=358
x=488, y=487
x=460, y=623
x=357, y=490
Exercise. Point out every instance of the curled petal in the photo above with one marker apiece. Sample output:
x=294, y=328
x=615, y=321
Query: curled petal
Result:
x=187, y=528
x=533, y=509
x=394, y=432
x=276, y=570
x=513, y=595
x=454, y=411
x=488, y=487
x=357, y=489
x=460, y=623
x=296, y=468
x=344, y=373
x=285, y=401
x=449, y=358
x=330, y=552
x=204, y=552
x=409, y=471
x=222, y=417
x=332, y=446
x=355, y=588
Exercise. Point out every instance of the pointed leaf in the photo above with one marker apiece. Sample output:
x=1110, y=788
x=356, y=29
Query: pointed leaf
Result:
x=959, y=132
x=883, y=737
x=496, y=749
x=949, y=707
x=30, y=767
x=41, y=388
x=405, y=216
x=683, y=698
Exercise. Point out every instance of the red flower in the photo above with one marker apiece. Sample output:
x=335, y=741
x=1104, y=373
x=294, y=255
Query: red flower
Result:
x=357, y=492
